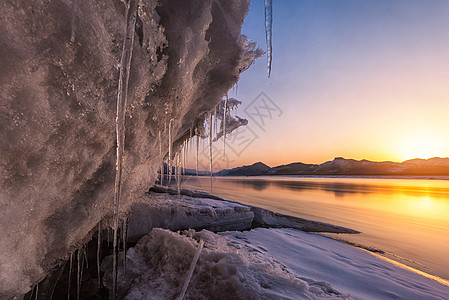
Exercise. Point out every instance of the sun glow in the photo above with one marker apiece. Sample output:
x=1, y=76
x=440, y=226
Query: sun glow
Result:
x=422, y=145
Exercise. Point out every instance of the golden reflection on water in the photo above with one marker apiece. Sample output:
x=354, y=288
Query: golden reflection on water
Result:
x=408, y=218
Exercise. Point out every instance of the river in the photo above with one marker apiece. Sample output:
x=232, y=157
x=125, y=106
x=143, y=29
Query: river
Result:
x=406, y=218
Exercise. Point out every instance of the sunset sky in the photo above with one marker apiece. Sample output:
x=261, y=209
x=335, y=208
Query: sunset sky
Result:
x=357, y=79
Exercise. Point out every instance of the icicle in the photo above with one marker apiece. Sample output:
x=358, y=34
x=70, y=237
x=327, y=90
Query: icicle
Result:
x=192, y=268
x=122, y=94
x=225, y=110
x=178, y=176
x=160, y=155
x=37, y=291
x=268, y=27
x=210, y=149
x=124, y=236
x=78, y=277
x=72, y=21
x=184, y=150
x=85, y=256
x=98, y=253
x=215, y=121
x=197, y=152
x=169, y=151
x=70, y=276
x=109, y=233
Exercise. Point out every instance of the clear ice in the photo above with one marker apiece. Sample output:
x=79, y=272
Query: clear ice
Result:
x=122, y=94
x=268, y=28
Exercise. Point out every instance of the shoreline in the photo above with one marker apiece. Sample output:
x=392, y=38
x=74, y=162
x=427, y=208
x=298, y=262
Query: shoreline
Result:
x=328, y=234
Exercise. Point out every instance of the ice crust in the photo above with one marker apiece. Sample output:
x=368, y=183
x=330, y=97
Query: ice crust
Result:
x=227, y=268
x=60, y=68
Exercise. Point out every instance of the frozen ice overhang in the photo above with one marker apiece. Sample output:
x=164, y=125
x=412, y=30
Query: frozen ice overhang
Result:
x=60, y=67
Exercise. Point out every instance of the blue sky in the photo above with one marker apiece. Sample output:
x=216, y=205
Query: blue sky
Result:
x=358, y=79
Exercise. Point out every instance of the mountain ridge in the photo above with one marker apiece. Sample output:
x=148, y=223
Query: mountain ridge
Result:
x=341, y=166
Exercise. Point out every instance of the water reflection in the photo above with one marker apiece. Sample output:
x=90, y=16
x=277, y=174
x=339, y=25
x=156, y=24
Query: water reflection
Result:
x=340, y=189
x=407, y=217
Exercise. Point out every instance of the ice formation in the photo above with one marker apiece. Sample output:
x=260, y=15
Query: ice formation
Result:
x=122, y=97
x=268, y=33
x=58, y=164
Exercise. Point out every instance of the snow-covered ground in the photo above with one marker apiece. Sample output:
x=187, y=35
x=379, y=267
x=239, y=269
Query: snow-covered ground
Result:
x=262, y=263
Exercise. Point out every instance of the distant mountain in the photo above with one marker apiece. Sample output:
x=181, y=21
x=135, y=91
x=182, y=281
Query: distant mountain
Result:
x=252, y=170
x=341, y=166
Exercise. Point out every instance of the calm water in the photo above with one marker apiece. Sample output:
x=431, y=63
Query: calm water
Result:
x=407, y=218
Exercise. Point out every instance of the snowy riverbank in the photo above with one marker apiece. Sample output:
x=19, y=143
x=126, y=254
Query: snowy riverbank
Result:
x=261, y=263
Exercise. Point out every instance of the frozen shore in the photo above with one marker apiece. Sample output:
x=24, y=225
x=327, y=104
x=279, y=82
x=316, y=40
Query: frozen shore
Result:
x=260, y=263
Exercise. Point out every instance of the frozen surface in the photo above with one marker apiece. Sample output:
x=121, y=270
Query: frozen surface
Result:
x=349, y=270
x=263, y=264
x=227, y=268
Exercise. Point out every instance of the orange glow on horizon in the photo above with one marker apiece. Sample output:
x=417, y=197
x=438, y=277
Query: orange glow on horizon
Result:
x=422, y=145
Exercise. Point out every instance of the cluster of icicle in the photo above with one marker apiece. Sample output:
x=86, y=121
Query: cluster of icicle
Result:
x=209, y=130
x=215, y=125
x=78, y=259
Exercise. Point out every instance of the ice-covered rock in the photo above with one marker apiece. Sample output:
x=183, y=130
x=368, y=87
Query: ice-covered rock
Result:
x=162, y=210
x=267, y=218
x=162, y=207
x=60, y=65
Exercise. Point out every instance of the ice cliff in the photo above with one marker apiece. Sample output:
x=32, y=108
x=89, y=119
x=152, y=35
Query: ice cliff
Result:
x=59, y=67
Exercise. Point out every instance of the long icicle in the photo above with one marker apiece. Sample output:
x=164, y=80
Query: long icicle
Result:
x=124, y=236
x=225, y=110
x=178, y=173
x=85, y=256
x=78, y=277
x=197, y=152
x=122, y=94
x=98, y=254
x=160, y=155
x=70, y=276
x=170, y=148
x=268, y=31
x=210, y=149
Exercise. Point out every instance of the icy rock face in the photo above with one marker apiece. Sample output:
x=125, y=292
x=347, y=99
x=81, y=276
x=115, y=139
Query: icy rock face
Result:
x=58, y=81
x=227, y=268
